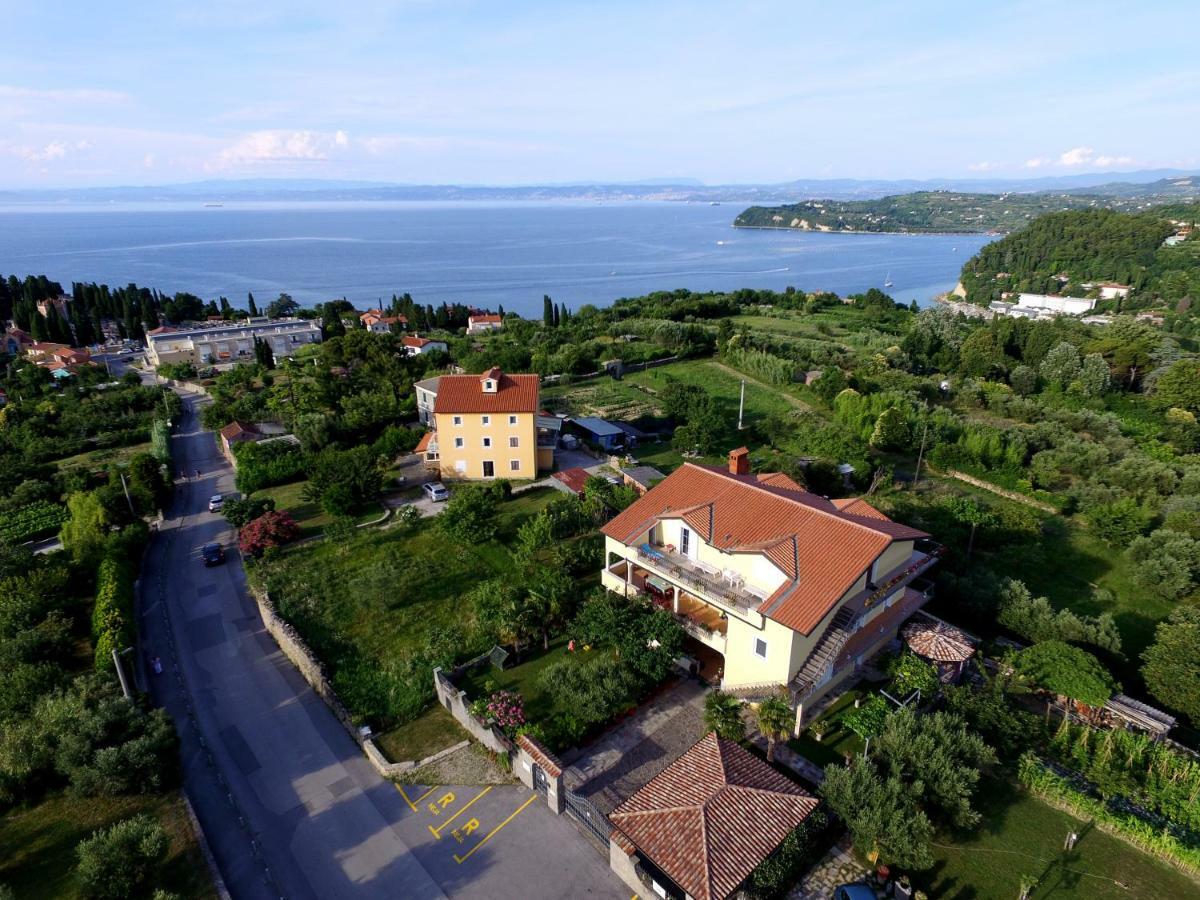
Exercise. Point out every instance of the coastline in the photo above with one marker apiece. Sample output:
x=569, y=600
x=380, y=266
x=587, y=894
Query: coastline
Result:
x=997, y=234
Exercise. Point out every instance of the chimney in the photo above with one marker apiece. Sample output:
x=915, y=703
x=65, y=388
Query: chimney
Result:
x=739, y=461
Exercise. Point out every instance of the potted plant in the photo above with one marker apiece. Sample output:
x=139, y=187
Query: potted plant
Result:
x=818, y=729
x=882, y=873
x=902, y=889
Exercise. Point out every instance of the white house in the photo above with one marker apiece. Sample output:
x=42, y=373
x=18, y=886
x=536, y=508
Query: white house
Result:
x=1054, y=304
x=1111, y=291
x=482, y=322
x=415, y=345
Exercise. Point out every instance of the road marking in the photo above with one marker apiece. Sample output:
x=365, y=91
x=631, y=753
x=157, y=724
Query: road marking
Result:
x=462, y=859
x=435, y=807
x=437, y=832
x=412, y=804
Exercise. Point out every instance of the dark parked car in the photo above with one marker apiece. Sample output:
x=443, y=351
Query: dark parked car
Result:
x=854, y=892
x=212, y=554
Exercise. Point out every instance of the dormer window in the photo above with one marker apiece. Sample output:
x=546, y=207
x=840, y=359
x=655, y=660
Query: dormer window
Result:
x=489, y=386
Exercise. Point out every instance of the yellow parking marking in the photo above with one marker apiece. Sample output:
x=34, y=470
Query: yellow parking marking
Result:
x=437, y=832
x=412, y=804
x=462, y=859
x=469, y=828
x=435, y=807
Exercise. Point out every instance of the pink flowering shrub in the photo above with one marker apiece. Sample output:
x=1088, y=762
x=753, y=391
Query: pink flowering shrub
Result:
x=507, y=710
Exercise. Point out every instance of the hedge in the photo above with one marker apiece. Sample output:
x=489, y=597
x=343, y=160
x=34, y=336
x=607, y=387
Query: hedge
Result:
x=35, y=520
x=160, y=441
x=112, y=616
x=1157, y=841
x=268, y=464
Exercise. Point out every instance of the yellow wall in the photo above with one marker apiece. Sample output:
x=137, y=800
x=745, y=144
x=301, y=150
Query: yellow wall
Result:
x=758, y=571
x=892, y=557
x=743, y=666
x=473, y=453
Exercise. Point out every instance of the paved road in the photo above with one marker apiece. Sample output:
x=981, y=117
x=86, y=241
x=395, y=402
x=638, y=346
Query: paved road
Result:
x=324, y=824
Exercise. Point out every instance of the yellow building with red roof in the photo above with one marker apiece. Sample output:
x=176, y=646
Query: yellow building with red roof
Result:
x=486, y=426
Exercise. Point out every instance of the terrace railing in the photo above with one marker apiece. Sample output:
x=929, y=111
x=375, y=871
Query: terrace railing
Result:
x=680, y=569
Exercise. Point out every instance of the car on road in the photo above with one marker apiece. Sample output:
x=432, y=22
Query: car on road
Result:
x=215, y=502
x=436, y=491
x=212, y=554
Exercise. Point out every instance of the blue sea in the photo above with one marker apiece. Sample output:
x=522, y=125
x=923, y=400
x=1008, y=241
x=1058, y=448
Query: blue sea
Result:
x=483, y=254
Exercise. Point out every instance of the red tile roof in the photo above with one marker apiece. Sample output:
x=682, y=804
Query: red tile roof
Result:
x=486, y=319
x=543, y=757
x=465, y=394
x=235, y=431
x=711, y=816
x=821, y=550
x=574, y=478
x=423, y=443
x=413, y=341
x=859, y=507
x=938, y=640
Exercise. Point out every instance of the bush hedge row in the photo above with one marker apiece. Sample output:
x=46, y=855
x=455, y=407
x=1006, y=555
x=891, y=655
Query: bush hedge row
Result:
x=112, y=616
x=35, y=520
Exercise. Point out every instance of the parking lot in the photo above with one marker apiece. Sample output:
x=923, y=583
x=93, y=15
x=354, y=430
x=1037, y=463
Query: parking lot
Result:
x=502, y=842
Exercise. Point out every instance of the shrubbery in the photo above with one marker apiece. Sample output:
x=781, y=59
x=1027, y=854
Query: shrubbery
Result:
x=121, y=862
x=270, y=530
x=266, y=464
x=113, y=626
x=33, y=521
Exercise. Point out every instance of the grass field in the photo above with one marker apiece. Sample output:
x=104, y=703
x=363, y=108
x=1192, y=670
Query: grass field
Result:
x=430, y=732
x=1022, y=836
x=37, y=845
x=837, y=741
x=102, y=459
x=522, y=678
x=309, y=515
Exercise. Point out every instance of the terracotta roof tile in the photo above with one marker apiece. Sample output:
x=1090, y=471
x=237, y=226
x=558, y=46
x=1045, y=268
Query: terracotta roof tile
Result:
x=711, y=816
x=465, y=394
x=423, y=443
x=575, y=478
x=937, y=640
x=820, y=549
x=543, y=757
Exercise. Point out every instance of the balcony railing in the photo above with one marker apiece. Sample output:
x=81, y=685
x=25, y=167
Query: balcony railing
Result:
x=679, y=568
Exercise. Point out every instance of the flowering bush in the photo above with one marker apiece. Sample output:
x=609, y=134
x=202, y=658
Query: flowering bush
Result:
x=271, y=529
x=507, y=710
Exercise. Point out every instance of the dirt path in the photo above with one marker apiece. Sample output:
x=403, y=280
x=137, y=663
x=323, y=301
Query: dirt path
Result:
x=729, y=370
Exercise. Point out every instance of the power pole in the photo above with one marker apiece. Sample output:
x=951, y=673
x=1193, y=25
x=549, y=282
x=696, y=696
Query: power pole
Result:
x=125, y=488
x=921, y=452
x=741, y=404
x=121, y=675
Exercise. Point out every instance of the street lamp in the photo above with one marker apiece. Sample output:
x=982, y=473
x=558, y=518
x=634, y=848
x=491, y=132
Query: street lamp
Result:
x=121, y=672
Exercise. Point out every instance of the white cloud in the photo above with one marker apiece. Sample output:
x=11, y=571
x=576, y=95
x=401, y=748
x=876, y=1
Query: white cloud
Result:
x=148, y=161
x=282, y=146
x=985, y=166
x=1037, y=162
x=52, y=150
x=1077, y=156
x=1106, y=161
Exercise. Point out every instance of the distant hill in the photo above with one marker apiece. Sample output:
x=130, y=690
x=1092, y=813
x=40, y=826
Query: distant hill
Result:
x=933, y=212
x=672, y=188
x=1072, y=252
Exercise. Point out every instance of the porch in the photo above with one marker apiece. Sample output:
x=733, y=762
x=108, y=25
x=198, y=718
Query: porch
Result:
x=726, y=587
x=706, y=623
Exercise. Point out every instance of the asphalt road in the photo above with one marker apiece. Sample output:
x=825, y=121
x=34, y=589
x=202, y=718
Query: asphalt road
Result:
x=289, y=805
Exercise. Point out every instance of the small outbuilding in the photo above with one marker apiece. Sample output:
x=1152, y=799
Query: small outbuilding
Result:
x=700, y=827
x=940, y=643
x=642, y=478
x=605, y=434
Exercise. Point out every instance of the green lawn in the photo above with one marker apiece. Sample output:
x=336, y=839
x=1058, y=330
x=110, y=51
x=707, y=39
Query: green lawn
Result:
x=37, y=844
x=433, y=730
x=520, y=507
x=103, y=458
x=309, y=515
x=837, y=740
x=522, y=678
x=1022, y=836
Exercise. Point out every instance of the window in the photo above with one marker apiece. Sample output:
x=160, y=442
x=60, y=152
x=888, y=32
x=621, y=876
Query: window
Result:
x=514, y=442
x=487, y=442
x=512, y=420
x=458, y=442
x=685, y=541
x=489, y=469
x=760, y=648
x=489, y=385
x=515, y=465
x=458, y=420
x=487, y=420
x=460, y=466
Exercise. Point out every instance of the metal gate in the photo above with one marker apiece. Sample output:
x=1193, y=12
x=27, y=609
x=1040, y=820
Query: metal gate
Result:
x=582, y=811
x=540, y=784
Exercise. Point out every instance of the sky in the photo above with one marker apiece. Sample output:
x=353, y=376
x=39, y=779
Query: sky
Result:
x=454, y=91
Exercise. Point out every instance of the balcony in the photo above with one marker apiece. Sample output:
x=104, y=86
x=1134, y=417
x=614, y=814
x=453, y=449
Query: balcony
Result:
x=682, y=570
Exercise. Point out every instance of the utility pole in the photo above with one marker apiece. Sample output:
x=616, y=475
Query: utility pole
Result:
x=741, y=404
x=125, y=488
x=921, y=452
x=121, y=673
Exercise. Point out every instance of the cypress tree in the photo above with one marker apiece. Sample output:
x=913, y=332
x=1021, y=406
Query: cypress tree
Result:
x=547, y=311
x=253, y=305
x=555, y=316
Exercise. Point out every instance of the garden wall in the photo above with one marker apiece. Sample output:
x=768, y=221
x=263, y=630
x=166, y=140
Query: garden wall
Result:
x=1002, y=492
x=297, y=652
x=455, y=701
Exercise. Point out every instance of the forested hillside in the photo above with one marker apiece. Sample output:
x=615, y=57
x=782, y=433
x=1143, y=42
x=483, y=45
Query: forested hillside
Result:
x=1063, y=253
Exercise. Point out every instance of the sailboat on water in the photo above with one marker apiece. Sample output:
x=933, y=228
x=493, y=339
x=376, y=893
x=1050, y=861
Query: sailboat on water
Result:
x=887, y=280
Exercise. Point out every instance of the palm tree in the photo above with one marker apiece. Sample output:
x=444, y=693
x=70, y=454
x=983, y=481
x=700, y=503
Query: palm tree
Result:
x=775, y=719
x=723, y=714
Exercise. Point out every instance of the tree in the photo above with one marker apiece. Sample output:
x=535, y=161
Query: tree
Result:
x=988, y=710
x=282, y=306
x=1119, y=521
x=84, y=533
x=891, y=430
x=241, y=510
x=911, y=673
x=253, y=307
x=270, y=530
x=1034, y=619
x=970, y=512
x=940, y=757
x=120, y=862
x=550, y=589
x=1171, y=665
x=1094, y=378
x=1068, y=671
x=880, y=814
x=262, y=354
x=470, y=514
x=1179, y=386
x=547, y=311
x=1167, y=562
x=343, y=481
x=723, y=714
x=980, y=355
x=1024, y=380
x=775, y=721
x=1061, y=365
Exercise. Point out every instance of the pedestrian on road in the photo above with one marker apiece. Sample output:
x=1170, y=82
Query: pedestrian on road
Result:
x=197, y=474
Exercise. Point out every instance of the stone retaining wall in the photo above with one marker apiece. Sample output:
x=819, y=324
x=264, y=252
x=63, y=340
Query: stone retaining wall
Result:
x=455, y=701
x=1003, y=492
x=297, y=652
